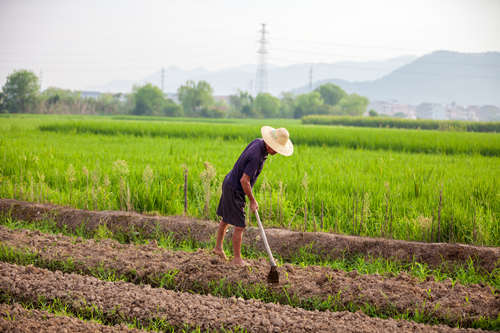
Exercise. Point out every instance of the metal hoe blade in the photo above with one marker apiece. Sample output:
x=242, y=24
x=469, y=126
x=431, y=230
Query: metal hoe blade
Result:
x=273, y=276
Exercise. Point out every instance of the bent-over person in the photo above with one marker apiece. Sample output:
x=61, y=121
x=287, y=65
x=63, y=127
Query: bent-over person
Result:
x=239, y=182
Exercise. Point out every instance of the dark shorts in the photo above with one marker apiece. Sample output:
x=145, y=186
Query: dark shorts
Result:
x=232, y=206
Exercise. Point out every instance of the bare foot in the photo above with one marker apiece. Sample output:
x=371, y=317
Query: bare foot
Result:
x=219, y=253
x=239, y=262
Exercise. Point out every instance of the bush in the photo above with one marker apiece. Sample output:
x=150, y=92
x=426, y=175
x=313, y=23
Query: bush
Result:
x=428, y=124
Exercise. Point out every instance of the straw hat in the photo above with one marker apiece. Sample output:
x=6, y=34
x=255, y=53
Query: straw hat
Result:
x=278, y=140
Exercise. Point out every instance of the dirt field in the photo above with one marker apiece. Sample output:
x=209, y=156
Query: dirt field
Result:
x=126, y=300
x=15, y=318
x=456, y=304
x=283, y=242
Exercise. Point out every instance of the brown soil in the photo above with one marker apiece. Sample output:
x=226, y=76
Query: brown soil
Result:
x=15, y=318
x=283, y=242
x=457, y=304
x=208, y=312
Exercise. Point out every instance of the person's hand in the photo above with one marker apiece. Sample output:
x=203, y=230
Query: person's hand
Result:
x=254, y=206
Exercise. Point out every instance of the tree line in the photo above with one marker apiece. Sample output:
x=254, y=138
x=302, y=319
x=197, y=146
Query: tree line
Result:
x=22, y=94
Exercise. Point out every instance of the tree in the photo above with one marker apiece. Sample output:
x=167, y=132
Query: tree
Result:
x=287, y=105
x=241, y=104
x=20, y=92
x=307, y=104
x=57, y=100
x=108, y=104
x=195, y=97
x=148, y=100
x=172, y=109
x=372, y=113
x=352, y=105
x=331, y=93
x=2, y=110
x=267, y=105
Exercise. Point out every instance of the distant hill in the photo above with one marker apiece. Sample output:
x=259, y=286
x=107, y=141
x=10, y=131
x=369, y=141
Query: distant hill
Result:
x=228, y=81
x=439, y=77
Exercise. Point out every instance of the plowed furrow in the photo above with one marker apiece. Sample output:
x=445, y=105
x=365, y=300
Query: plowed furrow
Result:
x=202, y=272
x=15, y=318
x=286, y=243
x=141, y=302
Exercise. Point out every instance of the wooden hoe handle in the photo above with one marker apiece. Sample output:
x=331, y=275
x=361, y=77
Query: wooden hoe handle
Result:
x=264, y=238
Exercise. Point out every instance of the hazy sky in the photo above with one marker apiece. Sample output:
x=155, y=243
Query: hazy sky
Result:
x=76, y=44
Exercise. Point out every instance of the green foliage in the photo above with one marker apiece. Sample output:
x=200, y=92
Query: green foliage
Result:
x=427, y=124
x=149, y=100
x=331, y=93
x=352, y=105
x=329, y=99
x=241, y=104
x=287, y=105
x=62, y=101
x=306, y=104
x=102, y=232
x=34, y=166
x=196, y=97
x=443, y=142
x=109, y=104
x=21, y=92
x=267, y=105
x=172, y=109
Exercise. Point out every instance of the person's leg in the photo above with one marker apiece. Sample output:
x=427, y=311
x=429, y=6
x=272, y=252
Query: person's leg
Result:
x=237, y=238
x=221, y=232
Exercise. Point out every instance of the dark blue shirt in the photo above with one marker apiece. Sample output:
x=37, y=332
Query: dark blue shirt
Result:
x=250, y=162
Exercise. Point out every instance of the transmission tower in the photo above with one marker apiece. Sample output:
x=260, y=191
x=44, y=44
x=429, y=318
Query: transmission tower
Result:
x=261, y=79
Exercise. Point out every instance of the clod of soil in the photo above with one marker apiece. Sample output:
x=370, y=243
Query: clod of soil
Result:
x=208, y=312
x=283, y=242
x=457, y=304
x=15, y=318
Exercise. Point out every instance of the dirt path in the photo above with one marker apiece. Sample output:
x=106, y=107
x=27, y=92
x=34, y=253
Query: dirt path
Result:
x=143, y=303
x=457, y=304
x=283, y=242
x=15, y=318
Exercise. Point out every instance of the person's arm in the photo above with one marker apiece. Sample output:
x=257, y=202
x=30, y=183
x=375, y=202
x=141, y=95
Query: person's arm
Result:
x=247, y=188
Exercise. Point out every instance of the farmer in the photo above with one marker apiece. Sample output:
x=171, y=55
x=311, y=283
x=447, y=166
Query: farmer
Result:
x=240, y=180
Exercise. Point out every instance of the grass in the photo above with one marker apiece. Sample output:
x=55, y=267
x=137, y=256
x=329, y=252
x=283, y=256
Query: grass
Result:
x=387, y=122
x=487, y=144
x=357, y=191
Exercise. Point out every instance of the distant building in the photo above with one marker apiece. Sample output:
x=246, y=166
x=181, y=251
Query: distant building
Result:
x=436, y=111
x=393, y=109
x=458, y=112
x=488, y=113
x=431, y=111
x=90, y=94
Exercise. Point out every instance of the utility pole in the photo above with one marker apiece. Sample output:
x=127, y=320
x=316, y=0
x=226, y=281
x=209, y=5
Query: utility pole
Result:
x=311, y=78
x=162, y=79
x=261, y=79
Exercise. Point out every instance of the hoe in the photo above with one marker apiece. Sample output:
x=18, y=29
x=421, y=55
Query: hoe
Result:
x=273, y=276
